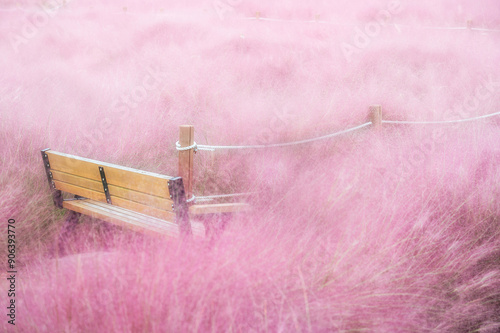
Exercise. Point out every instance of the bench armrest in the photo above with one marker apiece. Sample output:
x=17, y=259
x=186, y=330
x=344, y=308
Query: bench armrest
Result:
x=218, y=208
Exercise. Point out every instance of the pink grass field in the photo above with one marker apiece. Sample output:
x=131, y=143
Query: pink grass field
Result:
x=395, y=229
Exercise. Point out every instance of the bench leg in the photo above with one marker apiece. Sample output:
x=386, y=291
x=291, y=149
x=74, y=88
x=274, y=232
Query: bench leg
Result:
x=66, y=230
x=176, y=189
x=215, y=224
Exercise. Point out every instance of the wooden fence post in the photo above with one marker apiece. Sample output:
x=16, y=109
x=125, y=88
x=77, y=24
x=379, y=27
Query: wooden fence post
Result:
x=376, y=115
x=186, y=139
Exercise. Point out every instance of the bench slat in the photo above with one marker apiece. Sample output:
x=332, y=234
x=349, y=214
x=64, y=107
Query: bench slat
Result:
x=144, y=209
x=137, y=180
x=142, y=198
x=81, y=191
x=77, y=180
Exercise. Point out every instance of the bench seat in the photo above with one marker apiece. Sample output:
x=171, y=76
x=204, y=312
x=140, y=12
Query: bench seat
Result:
x=130, y=219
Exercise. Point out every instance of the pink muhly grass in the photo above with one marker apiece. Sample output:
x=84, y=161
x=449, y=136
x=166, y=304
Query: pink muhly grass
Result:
x=390, y=230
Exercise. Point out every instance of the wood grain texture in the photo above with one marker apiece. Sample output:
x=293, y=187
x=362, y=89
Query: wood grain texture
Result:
x=376, y=115
x=137, y=180
x=186, y=139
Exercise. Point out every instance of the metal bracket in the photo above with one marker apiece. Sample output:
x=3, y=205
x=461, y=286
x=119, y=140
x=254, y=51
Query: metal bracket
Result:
x=180, y=207
x=56, y=194
x=105, y=185
x=77, y=197
x=46, y=164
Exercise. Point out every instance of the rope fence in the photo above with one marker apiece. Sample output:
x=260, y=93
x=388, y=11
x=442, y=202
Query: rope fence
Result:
x=376, y=119
x=395, y=25
x=440, y=121
x=375, y=113
x=196, y=146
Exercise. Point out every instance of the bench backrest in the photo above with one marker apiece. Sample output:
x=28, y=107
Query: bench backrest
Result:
x=140, y=191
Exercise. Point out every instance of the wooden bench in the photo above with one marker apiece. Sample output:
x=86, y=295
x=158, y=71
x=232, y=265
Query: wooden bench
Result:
x=139, y=200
